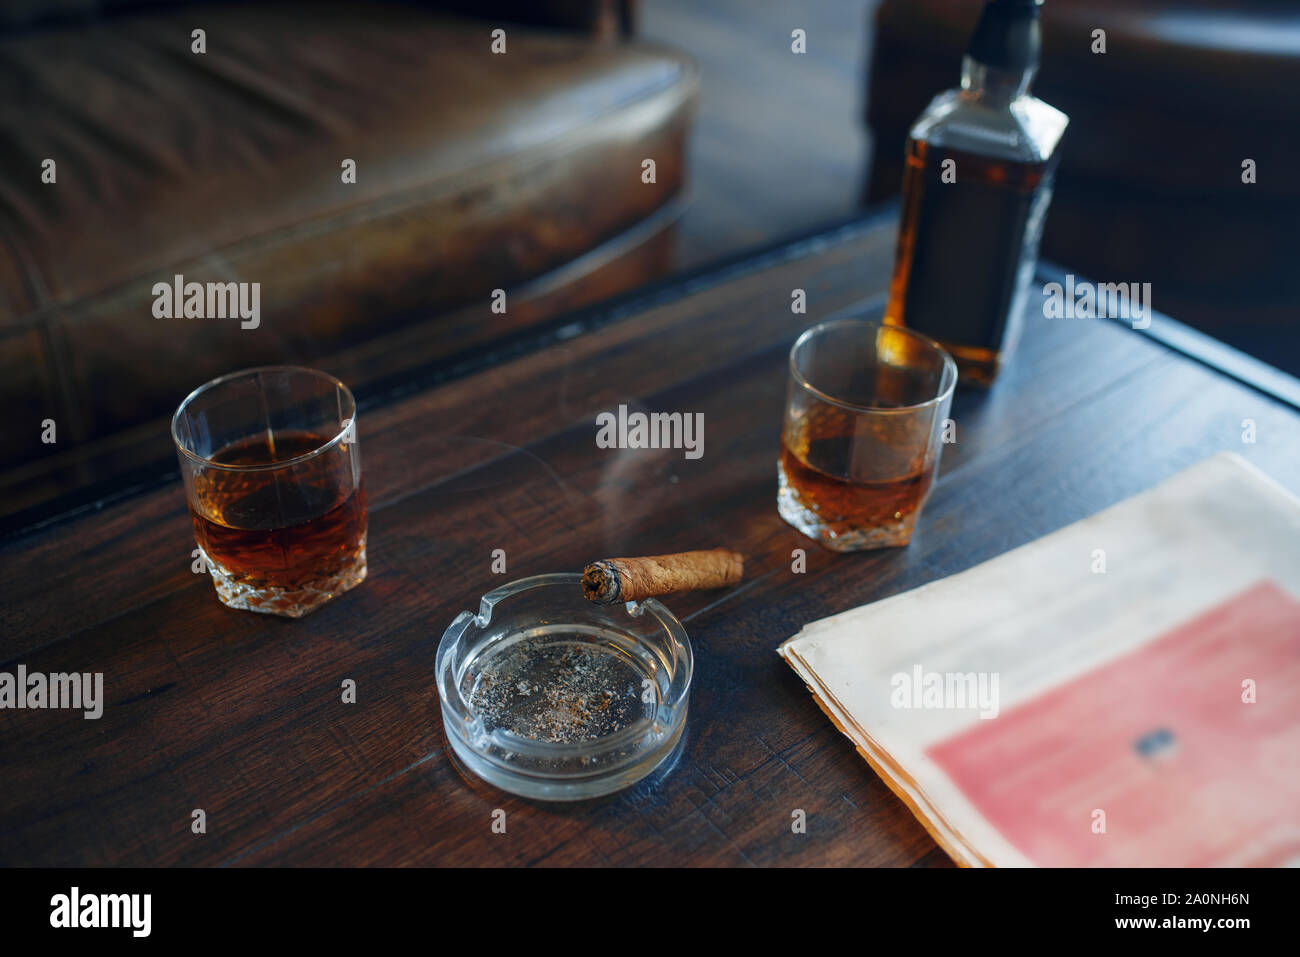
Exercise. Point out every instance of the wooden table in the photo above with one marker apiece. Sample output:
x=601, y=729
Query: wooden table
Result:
x=241, y=715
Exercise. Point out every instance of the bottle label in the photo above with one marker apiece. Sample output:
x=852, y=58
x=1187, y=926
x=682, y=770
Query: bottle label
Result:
x=974, y=245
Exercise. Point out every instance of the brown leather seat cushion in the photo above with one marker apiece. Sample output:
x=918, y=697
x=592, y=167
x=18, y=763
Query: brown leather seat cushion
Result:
x=474, y=171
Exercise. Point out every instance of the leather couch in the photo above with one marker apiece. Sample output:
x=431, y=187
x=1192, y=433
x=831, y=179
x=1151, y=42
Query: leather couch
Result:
x=475, y=171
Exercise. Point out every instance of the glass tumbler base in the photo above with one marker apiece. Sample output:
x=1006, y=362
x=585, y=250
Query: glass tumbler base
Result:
x=839, y=536
x=289, y=602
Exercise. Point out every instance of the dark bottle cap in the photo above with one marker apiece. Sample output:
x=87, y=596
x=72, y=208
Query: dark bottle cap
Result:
x=1007, y=36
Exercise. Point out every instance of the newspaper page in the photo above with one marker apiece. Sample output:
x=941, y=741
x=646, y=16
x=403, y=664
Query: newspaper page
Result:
x=1122, y=692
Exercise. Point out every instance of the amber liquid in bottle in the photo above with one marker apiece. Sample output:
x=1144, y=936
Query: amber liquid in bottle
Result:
x=966, y=251
x=977, y=181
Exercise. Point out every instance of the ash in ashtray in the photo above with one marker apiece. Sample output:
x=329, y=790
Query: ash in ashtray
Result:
x=548, y=689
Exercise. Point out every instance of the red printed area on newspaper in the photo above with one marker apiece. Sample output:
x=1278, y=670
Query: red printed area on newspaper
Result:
x=1163, y=742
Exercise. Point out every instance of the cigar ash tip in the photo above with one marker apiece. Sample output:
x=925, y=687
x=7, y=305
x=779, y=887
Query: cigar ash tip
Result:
x=600, y=583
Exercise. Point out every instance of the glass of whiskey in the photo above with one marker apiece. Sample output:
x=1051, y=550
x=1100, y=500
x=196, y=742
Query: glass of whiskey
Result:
x=272, y=475
x=864, y=418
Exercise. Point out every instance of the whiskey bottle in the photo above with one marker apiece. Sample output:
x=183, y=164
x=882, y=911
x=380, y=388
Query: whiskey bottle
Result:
x=976, y=185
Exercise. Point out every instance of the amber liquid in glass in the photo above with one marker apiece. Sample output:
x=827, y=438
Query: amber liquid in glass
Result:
x=247, y=544
x=815, y=459
x=966, y=251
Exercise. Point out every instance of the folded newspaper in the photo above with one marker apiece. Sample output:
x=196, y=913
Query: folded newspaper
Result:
x=1122, y=692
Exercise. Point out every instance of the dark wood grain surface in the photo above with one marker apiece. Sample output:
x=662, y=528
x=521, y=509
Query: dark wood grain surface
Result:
x=241, y=714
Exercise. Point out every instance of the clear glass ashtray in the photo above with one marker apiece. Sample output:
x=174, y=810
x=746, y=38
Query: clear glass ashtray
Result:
x=547, y=695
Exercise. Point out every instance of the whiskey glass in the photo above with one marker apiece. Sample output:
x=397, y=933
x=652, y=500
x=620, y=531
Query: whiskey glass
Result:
x=272, y=475
x=864, y=418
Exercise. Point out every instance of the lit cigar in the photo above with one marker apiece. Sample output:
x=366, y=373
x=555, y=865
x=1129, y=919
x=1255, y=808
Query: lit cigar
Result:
x=631, y=579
